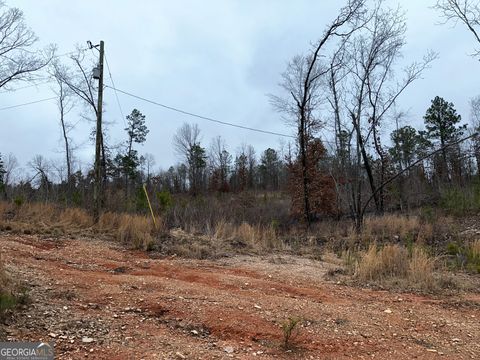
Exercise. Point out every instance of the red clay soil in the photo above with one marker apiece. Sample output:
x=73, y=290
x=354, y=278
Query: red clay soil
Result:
x=96, y=300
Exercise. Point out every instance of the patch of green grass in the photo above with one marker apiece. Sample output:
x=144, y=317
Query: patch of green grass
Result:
x=465, y=256
x=7, y=302
x=453, y=249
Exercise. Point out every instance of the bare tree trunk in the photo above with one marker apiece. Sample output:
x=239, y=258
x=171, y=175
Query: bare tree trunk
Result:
x=358, y=202
x=381, y=154
x=303, y=154
x=366, y=161
x=61, y=104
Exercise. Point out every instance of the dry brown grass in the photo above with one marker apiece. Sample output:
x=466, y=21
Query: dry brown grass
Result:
x=39, y=217
x=393, y=262
x=388, y=226
x=133, y=230
x=421, y=268
x=77, y=217
x=254, y=236
x=474, y=249
x=3, y=276
x=4, y=206
x=378, y=264
x=108, y=221
x=136, y=231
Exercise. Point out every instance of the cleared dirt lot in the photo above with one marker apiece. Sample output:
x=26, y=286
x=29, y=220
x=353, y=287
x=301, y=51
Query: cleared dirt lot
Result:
x=96, y=300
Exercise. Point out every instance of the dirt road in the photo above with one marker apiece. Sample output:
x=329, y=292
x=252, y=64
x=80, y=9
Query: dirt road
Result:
x=96, y=300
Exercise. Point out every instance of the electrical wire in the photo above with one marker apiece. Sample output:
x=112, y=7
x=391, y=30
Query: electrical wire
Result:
x=26, y=87
x=114, y=88
x=71, y=53
x=199, y=116
x=28, y=103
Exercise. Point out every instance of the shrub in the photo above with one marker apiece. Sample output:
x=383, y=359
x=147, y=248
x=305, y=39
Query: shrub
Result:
x=289, y=328
x=465, y=257
x=141, y=203
x=165, y=200
x=461, y=201
x=7, y=302
x=19, y=200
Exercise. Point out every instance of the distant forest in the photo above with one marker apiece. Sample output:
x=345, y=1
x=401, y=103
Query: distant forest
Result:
x=338, y=96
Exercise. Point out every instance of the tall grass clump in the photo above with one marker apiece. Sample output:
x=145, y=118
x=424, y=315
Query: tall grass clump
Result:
x=254, y=236
x=413, y=268
x=7, y=301
x=133, y=230
x=76, y=217
x=377, y=264
x=391, y=226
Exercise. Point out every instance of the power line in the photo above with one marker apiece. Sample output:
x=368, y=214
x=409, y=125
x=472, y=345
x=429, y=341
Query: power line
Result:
x=199, y=116
x=71, y=53
x=26, y=87
x=115, y=89
x=28, y=103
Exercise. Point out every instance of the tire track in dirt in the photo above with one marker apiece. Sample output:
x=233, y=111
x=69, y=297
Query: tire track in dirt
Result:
x=138, y=307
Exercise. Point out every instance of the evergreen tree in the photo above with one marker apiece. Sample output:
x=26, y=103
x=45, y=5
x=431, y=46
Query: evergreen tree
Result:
x=269, y=169
x=137, y=133
x=136, y=129
x=405, y=143
x=441, y=122
x=197, y=163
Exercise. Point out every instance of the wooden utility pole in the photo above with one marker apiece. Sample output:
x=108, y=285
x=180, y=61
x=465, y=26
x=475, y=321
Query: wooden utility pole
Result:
x=97, y=189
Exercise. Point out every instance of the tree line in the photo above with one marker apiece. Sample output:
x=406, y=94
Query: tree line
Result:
x=347, y=84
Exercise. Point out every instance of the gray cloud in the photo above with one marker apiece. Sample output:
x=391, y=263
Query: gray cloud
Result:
x=216, y=58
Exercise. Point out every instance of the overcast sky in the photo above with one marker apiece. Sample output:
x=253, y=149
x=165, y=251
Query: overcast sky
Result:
x=216, y=58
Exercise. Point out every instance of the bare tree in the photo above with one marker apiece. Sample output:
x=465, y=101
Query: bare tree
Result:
x=17, y=60
x=373, y=90
x=186, y=143
x=220, y=162
x=465, y=11
x=82, y=84
x=149, y=162
x=10, y=165
x=78, y=79
x=303, y=80
x=186, y=137
x=65, y=104
x=475, y=115
x=42, y=167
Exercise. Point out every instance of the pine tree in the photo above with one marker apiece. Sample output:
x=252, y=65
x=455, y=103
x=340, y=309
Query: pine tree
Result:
x=269, y=169
x=405, y=143
x=137, y=133
x=441, y=122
